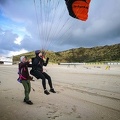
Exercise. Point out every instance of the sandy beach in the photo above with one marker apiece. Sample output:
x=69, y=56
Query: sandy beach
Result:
x=84, y=92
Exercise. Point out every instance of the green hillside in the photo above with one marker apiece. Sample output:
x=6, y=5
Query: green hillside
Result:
x=94, y=54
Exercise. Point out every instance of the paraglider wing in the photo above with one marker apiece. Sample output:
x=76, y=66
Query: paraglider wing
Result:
x=78, y=8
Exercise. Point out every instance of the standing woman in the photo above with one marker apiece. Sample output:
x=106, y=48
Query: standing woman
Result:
x=25, y=78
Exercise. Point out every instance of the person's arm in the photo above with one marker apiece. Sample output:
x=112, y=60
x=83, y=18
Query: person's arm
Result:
x=29, y=65
x=45, y=63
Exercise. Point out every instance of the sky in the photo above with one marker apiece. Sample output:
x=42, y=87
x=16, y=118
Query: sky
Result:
x=29, y=25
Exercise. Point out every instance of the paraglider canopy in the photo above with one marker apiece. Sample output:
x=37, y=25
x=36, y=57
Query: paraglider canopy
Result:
x=54, y=24
x=78, y=8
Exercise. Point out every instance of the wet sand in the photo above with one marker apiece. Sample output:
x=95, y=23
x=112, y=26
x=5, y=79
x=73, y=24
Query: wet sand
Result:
x=84, y=92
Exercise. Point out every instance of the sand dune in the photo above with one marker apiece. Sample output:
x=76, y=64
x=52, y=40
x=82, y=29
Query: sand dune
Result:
x=84, y=92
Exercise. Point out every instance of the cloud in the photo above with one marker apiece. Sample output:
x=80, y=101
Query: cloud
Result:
x=7, y=40
x=18, y=11
x=13, y=53
x=18, y=40
x=102, y=27
x=23, y=27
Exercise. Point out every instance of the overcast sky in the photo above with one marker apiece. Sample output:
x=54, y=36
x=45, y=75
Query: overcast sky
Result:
x=28, y=25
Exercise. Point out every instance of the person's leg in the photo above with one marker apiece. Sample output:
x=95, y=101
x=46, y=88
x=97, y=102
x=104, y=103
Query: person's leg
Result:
x=29, y=85
x=43, y=80
x=26, y=85
x=44, y=83
x=26, y=90
x=49, y=79
x=39, y=75
x=49, y=82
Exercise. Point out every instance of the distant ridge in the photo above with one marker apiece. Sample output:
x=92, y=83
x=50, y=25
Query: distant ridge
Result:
x=94, y=54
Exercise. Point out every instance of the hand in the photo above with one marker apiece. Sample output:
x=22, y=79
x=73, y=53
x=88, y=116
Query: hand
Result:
x=30, y=60
x=47, y=58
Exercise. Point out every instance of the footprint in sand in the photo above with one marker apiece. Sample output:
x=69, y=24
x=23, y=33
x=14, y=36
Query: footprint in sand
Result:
x=74, y=111
x=74, y=108
x=78, y=117
x=53, y=112
x=54, y=117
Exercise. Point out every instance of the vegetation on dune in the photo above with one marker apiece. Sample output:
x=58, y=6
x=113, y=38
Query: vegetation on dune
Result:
x=94, y=54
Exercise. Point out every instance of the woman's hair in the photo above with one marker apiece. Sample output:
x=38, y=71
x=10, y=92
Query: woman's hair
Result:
x=22, y=57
